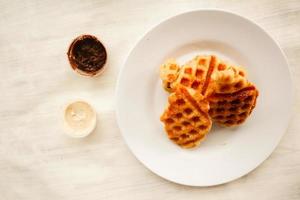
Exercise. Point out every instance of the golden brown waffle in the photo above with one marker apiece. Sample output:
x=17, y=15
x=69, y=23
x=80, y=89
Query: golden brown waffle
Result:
x=208, y=88
x=228, y=79
x=186, y=117
x=196, y=73
x=204, y=73
x=232, y=108
x=169, y=73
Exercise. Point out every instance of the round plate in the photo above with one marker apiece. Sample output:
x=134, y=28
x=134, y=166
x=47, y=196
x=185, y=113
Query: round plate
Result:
x=226, y=153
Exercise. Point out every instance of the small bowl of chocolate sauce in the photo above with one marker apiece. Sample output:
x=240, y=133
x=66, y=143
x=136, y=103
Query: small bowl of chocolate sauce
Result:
x=87, y=55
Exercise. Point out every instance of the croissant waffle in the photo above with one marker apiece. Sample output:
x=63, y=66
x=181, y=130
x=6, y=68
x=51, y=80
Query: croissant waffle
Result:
x=234, y=96
x=229, y=97
x=186, y=118
x=194, y=74
x=228, y=79
x=232, y=108
x=169, y=73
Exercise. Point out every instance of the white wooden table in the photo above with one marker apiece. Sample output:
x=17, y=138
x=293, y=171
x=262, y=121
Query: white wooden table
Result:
x=37, y=161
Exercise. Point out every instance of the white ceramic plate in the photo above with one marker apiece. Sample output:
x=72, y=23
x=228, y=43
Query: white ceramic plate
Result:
x=227, y=153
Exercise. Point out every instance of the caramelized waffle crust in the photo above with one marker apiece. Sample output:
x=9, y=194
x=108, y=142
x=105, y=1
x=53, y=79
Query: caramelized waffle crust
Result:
x=233, y=108
x=203, y=90
x=194, y=74
x=186, y=118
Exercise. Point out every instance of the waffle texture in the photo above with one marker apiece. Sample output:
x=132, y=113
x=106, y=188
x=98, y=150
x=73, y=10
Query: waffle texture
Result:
x=186, y=118
x=208, y=88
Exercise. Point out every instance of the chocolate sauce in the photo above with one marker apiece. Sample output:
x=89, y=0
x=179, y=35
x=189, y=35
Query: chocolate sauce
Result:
x=87, y=54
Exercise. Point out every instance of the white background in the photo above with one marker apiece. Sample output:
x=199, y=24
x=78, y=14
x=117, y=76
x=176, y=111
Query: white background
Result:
x=37, y=161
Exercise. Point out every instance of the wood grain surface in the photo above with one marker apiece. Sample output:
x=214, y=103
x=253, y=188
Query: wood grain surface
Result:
x=37, y=161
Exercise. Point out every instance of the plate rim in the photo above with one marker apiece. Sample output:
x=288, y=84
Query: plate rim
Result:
x=290, y=115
